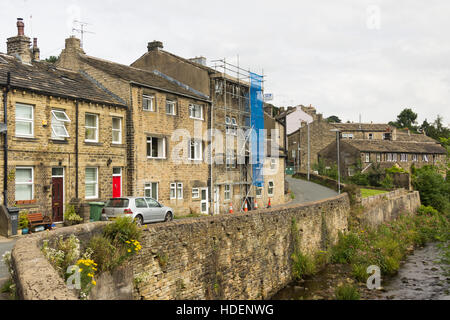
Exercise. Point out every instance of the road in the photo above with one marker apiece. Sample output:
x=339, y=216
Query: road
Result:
x=5, y=245
x=306, y=191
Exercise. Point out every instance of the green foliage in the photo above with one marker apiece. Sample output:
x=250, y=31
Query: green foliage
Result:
x=360, y=179
x=433, y=188
x=105, y=253
x=387, y=245
x=23, y=220
x=70, y=215
x=395, y=169
x=365, y=193
x=406, y=119
x=302, y=265
x=387, y=182
x=334, y=119
x=346, y=292
x=123, y=229
x=65, y=253
x=52, y=59
x=324, y=170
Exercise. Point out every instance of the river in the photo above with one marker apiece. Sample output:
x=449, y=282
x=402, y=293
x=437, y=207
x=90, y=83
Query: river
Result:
x=420, y=278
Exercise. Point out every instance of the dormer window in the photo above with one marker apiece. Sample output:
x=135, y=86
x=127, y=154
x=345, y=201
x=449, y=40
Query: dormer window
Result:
x=148, y=103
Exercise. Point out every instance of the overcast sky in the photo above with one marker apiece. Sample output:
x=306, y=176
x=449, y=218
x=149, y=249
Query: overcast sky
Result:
x=346, y=57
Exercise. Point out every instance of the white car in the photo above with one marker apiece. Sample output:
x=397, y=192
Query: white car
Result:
x=142, y=210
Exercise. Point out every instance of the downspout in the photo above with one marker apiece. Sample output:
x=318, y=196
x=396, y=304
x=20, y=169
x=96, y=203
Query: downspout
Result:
x=5, y=143
x=76, y=149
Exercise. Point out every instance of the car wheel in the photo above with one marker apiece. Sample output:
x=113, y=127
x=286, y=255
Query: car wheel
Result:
x=169, y=217
x=139, y=220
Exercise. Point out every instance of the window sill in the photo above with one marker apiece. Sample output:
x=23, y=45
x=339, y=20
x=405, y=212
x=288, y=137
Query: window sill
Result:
x=28, y=139
x=118, y=145
x=56, y=141
x=151, y=158
x=93, y=143
x=199, y=119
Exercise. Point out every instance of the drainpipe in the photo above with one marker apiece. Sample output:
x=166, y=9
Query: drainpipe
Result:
x=5, y=143
x=76, y=149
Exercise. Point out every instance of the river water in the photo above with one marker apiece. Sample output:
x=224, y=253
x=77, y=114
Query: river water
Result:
x=420, y=278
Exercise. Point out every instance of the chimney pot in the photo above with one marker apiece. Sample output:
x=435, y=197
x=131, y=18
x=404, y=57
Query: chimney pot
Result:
x=155, y=45
x=34, y=42
x=20, y=27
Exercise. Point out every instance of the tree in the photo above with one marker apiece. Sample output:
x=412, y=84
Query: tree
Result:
x=406, y=119
x=52, y=59
x=334, y=119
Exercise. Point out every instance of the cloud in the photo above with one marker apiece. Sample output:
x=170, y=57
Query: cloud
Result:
x=320, y=53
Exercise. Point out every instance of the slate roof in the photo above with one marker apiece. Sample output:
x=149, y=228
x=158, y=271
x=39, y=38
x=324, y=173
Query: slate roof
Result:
x=396, y=146
x=363, y=126
x=139, y=76
x=404, y=136
x=45, y=78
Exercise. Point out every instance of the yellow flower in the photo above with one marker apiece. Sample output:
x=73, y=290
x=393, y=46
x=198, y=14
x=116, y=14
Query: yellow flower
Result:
x=80, y=270
x=129, y=250
x=94, y=283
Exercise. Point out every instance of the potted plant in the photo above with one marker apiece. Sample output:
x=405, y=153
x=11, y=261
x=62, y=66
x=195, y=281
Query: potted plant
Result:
x=71, y=217
x=23, y=222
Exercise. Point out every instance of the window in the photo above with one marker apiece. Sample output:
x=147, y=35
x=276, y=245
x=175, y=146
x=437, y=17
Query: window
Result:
x=415, y=158
x=273, y=164
x=259, y=192
x=24, y=120
x=151, y=190
x=270, y=188
x=394, y=157
x=59, y=118
x=195, y=193
x=386, y=136
x=152, y=203
x=171, y=107
x=293, y=153
x=148, y=103
x=179, y=191
x=156, y=148
x=116, y=130
x=196, y=111
x=351, y=171
x=231, y=126
x=173, y=191
x=91, y=182
x=227, y=191
x=403, y=157
x=425, y=158
x=370, y=136
x=378, y=157
x=91, y=125
x=367, y=157
x=195, y=150
x=24, y=184
x=141, y=203
x=347, y=136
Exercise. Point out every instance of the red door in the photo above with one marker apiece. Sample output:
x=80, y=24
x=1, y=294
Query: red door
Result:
x=117, y=186
x=57, y=199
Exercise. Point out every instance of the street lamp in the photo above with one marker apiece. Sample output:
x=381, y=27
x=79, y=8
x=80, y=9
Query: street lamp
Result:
x=338, y=158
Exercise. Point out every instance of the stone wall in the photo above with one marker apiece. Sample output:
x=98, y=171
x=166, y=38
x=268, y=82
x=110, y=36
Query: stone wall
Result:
x=243, y=256
x=389, y=206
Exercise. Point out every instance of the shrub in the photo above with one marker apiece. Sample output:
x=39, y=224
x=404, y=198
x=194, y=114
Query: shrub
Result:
x=70, y=215
x=104, y=253
x=387, y=182
x=430, y=211
x=360, y=179
x=346, y=249
x=346, y=292
x=433, y=188
x=359, y=271
x=123, y=229
x=23, y=220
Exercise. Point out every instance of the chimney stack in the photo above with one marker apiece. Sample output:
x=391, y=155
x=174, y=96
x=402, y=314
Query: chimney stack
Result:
x=36, y=51
x=19, y=45
x=154, y=45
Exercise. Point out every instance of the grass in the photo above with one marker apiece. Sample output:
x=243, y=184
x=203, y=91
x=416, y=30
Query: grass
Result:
x=365, y=193
x=193, y=215
x=346, y=292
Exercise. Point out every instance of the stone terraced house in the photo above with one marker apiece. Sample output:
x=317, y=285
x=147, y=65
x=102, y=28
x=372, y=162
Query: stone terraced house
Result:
x=369, y=142
x=65, y=135
x=166, y=130
x=230, y=111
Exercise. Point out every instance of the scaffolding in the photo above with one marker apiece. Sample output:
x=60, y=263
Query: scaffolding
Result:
x=232, y=110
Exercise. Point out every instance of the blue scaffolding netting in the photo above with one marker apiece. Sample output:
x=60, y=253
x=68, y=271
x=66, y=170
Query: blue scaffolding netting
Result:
x=257, y=122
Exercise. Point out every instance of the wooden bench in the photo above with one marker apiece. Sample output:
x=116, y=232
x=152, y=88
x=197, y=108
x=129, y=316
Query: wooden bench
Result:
x=37, y=219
